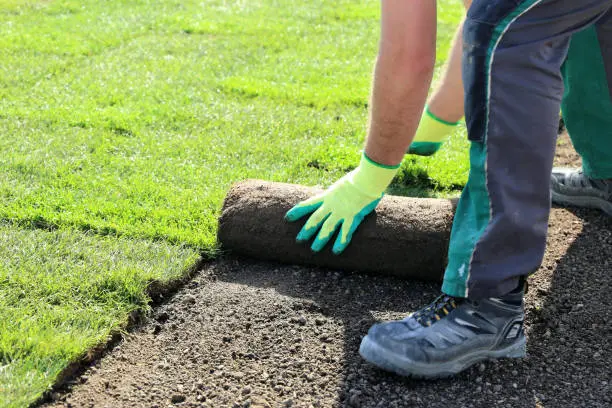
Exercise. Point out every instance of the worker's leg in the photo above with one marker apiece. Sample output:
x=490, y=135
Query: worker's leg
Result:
x=444, y=108
x=513, y=85
x=513, y=52
x=587, y=107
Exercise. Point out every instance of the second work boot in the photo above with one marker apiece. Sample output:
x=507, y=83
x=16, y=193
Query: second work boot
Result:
x=573, y=187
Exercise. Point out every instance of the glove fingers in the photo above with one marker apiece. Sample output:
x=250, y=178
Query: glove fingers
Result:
x=348, y=229
x=304, y=208
x=344, y=237
x=327, y=230
x=313, y=224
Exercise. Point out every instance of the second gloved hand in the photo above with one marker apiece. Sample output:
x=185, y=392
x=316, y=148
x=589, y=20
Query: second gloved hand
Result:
x=344, y=205
x=431, y=134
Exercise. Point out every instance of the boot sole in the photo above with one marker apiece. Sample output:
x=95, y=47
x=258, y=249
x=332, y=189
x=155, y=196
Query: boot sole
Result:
x=582, y=201
x=398, y=364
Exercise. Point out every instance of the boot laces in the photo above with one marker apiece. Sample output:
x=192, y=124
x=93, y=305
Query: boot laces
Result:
x=578, y=179
x=436, y=310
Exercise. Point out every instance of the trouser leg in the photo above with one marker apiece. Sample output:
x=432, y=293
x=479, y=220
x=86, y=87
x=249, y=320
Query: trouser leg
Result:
x=513, y=53
x=587, y=102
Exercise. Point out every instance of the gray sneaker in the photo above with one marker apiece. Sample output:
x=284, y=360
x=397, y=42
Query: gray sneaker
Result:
x=572, y=187
x=448, y=336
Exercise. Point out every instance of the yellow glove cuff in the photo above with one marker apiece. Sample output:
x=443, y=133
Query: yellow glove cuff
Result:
x=373, y=178
x=433, y=129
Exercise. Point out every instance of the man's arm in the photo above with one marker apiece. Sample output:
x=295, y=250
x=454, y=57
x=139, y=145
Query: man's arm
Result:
x=402, y=77
x=401, y=80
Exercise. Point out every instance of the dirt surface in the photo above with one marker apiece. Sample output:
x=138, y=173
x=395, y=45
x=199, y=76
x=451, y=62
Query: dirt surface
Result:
x=243, y=333
x=566, y=156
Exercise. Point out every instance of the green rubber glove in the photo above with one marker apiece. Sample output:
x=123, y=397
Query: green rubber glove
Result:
x=344, y=205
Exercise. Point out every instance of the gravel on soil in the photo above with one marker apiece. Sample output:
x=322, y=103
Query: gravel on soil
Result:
x=250, y=334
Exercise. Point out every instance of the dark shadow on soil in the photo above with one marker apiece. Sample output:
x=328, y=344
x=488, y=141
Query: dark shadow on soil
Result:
x=570, y=330
x=567, y=324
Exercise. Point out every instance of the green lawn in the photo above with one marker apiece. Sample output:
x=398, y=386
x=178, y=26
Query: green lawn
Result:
x=61, y=293
x=123, y=124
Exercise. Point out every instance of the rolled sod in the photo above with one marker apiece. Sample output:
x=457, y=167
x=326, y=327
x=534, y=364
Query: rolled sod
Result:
x=405, y=237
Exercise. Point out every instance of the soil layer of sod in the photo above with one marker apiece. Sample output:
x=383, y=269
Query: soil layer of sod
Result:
x=245, y=333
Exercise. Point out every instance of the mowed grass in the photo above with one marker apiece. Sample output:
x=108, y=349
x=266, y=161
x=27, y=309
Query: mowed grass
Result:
x=62, y=292
x=134, y=117
x=127, y=121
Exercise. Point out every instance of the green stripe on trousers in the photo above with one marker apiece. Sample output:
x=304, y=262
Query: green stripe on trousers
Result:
x=473, y=212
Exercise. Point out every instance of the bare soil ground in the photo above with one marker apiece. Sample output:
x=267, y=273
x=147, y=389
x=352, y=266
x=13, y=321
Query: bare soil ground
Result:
x=244, y=333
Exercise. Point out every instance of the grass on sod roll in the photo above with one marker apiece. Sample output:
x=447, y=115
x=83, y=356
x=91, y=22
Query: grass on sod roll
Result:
x=131, y=119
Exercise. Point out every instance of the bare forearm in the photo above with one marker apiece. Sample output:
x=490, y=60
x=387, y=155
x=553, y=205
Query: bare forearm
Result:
x=447, y=101
x=402, y=77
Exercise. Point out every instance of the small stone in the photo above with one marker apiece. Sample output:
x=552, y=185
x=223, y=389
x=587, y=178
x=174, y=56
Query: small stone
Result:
x=481, y=367
x=596, y=355
x=354, y=400
x=177, y=398
x=189, y=300
x=514, y=372
x=301, y=321
x=319, y=321
x=497, y=388
x=227, y=339
x=162, y=317
x=246, y=390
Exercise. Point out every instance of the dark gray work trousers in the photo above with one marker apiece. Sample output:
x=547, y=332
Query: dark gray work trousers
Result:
x=517, y=54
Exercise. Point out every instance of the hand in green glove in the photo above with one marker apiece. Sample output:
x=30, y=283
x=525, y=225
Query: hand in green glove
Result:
x=430, y=134
x=344, y=205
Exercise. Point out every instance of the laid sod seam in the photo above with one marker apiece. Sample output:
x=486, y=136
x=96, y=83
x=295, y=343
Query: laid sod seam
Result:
x=158, y=292
x=64, y=292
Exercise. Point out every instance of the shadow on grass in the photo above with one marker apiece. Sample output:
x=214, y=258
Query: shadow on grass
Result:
x=414, y=181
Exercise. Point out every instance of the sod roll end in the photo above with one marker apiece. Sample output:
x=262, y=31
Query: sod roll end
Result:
x=405, y=237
